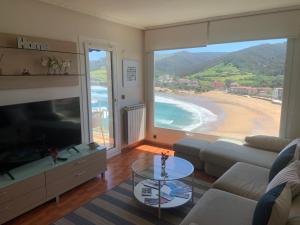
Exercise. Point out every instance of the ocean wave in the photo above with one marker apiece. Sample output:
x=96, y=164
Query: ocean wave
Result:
x=200, y=114
x=103, y=88
x=163, y=121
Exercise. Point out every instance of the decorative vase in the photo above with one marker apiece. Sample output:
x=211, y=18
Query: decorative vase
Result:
x=164, y=158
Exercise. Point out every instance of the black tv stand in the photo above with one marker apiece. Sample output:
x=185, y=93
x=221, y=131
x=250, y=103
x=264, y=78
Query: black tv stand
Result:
x=74, y=147
x=10, y=175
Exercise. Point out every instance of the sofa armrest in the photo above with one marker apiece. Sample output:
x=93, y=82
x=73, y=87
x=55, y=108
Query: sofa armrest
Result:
x=267, y=143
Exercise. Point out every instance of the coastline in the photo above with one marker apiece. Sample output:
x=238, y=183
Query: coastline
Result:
x=203, y=102
x=238, y=116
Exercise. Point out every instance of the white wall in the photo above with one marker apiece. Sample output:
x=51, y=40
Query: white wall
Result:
x=29, y=17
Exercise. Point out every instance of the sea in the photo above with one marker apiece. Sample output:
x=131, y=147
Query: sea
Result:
x=169, y=112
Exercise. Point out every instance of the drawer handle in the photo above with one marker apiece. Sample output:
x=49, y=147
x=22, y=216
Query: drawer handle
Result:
x=80, y=174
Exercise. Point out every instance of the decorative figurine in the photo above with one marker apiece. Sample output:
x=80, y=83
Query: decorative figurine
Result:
x=25, y=72
x=65, y=66
x=55, y=65
x=54, y=154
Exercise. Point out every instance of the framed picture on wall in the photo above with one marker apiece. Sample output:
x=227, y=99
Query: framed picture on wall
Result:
x=130, y=73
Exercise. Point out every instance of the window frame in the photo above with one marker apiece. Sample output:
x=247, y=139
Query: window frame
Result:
x=170, y=136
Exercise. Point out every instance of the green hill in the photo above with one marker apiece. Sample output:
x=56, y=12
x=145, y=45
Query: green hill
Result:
x=183, y=63
x=228, y=73
x=266, y=59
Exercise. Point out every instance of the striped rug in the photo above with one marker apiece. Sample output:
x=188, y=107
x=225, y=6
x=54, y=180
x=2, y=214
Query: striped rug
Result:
x=118, y=207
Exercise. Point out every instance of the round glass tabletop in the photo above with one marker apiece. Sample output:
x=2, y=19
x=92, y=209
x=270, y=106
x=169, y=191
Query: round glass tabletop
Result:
x=151, y=168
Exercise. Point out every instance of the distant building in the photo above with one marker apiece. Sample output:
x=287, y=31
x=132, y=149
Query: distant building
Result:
x=245, y=90
x=218, y=85
x=191, y=83
x=277, y=94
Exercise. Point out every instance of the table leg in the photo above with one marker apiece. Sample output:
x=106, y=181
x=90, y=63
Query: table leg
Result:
x=193, y=187
x=133, y=183
x=159, y=212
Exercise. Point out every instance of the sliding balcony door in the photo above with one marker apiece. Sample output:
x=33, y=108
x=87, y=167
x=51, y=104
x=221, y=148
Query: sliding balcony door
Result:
x=100, y=96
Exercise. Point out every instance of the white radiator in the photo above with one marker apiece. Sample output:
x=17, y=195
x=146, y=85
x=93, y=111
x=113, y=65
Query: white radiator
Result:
x=134, y=123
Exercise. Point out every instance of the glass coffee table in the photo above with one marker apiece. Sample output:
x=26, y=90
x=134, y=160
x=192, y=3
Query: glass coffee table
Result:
x=163, y=187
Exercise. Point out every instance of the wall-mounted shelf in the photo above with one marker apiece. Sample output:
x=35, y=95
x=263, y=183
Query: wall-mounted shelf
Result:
x=25, y=55
x=35, y=50
x=37, y=81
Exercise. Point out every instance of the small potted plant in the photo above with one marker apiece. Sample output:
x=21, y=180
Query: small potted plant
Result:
x=52, y=63
x=65, y=65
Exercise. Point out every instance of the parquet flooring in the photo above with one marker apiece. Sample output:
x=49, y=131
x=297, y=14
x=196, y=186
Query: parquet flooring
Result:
x=118, y=170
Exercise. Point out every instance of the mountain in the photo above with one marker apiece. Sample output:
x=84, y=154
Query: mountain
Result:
x=97, y=64
x=184, y=63
x=266, y=59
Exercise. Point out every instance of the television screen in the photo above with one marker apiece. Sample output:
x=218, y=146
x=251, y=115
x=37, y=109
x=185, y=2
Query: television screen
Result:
x=28, y=131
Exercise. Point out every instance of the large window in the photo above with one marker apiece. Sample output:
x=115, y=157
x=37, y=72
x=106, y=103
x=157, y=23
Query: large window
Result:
x=230, y=90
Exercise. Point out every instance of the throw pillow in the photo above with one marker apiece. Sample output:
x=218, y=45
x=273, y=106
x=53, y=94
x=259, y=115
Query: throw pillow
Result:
x=285, y=157
x=270, y=143
x=291, y=175
x=273, y=207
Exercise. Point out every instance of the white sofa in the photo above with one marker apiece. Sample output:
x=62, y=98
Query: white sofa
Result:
x=233, y=197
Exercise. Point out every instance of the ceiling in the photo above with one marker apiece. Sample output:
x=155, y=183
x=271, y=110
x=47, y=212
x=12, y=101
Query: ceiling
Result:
x=145, y=14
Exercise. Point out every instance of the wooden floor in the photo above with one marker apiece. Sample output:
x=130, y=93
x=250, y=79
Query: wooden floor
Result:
x=118, y=170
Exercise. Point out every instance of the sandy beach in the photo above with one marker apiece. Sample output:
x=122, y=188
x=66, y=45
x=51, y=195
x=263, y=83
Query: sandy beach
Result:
x=238, y=116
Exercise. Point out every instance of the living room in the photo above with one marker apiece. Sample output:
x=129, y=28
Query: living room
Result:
x=138, y=112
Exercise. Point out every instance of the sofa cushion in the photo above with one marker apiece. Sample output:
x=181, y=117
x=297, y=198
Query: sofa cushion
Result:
x=285, y=157
x=190, y=146
x=273, y=207
x=245, y=180
x=271, y=143
x=219, y=208
x=294, y=221
x=290, y=174
x=295, y=208
x=226, y=154
x=294, y=215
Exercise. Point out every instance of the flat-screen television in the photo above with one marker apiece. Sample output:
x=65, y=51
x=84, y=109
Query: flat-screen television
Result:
x=28, y=131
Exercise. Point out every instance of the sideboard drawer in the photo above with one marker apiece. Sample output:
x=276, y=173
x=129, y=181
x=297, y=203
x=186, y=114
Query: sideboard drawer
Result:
x=72, y=180
x=16, y=207
x=20, y=188
x=65, y=170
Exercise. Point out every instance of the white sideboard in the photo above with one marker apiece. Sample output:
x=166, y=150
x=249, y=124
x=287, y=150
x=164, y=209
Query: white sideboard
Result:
x=42, y=180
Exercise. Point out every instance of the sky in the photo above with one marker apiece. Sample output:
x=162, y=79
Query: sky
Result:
x=96, y=55
x=227, y=47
